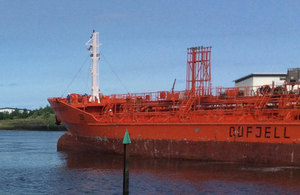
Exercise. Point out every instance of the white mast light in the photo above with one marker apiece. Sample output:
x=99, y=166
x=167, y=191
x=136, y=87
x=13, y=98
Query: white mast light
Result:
x=93, y=46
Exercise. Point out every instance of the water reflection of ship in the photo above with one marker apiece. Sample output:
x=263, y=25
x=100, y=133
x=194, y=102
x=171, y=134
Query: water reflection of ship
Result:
x=186, y=170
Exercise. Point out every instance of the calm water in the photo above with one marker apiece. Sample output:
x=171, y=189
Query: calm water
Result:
x=29, y=164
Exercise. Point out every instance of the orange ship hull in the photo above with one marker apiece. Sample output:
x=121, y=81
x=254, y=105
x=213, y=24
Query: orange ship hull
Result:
x=276, y=143
x=257, y=124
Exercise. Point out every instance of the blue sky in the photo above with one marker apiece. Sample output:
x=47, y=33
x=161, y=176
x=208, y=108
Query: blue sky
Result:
x=42, y=44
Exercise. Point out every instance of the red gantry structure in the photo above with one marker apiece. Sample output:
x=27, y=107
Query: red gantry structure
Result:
x=253, y=124
x=198, y=77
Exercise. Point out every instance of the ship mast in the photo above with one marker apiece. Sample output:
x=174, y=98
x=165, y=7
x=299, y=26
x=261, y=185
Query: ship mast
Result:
x=93, y=47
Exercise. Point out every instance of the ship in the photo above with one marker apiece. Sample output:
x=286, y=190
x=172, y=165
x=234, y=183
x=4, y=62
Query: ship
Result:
x=249, y=124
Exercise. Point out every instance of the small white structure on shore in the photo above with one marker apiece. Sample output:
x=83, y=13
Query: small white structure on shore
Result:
x=10, y=110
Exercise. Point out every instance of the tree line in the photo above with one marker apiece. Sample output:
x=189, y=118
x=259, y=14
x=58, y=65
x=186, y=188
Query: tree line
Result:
x=25, y=113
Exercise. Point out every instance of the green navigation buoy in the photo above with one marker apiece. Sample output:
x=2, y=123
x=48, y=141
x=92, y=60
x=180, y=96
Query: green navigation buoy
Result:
x=126, y=142
x=126, y=139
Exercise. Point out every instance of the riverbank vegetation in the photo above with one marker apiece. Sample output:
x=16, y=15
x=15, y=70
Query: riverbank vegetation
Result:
x=38, y=119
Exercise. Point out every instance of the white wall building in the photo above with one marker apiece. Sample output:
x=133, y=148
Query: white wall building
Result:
x=259, y=79
x=10, y=110
x=252, y=82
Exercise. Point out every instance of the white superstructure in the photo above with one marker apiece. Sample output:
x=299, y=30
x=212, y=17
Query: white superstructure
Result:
x=259, y=79
x=94, y=44
x=255, y=80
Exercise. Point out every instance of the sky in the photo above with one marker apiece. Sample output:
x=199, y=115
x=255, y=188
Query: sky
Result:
x=143, y=44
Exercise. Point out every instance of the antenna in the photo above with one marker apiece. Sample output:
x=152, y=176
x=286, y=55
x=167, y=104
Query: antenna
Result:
x=93, y=46
x=173, y=85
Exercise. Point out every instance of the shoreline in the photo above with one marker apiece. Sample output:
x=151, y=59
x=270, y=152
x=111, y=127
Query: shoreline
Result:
x=56, y=130
x=30, y=124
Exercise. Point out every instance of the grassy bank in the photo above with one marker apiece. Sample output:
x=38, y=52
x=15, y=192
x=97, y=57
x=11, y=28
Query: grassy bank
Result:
x=40, y=119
